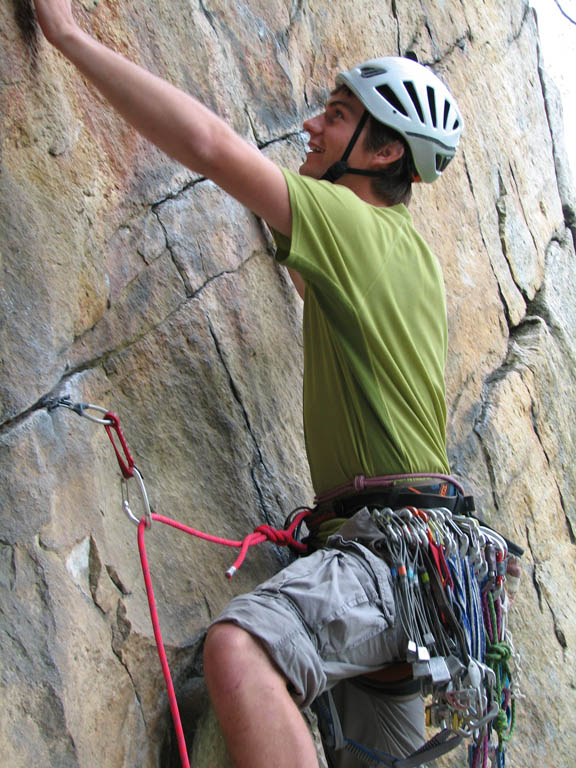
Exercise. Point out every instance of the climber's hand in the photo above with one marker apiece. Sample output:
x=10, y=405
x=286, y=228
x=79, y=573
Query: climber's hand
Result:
x=56, y=19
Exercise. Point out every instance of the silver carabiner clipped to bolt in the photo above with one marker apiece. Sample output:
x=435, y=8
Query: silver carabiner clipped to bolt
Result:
x=80, y=408
x=143, y=496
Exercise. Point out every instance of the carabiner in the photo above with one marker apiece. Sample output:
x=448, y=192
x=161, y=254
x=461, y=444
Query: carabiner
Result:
x=496, y=539
x=80, y=408
x=475, y=725
x=143, y=497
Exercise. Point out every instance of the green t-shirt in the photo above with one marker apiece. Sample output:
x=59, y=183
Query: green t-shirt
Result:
x=375, y=336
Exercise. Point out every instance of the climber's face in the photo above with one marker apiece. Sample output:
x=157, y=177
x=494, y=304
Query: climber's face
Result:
x=330, y=133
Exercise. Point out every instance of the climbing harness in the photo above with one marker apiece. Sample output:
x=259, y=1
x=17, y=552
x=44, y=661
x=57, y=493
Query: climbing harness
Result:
x=286, y=537
x=449, y=574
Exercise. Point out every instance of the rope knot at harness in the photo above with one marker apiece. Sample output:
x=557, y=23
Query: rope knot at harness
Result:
x=283, y=538
x=276, y=536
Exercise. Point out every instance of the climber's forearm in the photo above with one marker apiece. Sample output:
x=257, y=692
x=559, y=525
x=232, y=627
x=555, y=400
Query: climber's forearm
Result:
x=177, y=123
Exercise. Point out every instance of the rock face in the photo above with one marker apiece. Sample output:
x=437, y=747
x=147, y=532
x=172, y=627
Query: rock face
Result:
x=129, y=282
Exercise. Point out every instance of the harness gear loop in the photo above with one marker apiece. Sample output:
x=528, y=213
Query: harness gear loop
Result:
x=361, y=483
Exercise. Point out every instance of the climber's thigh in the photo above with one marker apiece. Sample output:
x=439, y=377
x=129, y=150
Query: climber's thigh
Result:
x=324, y=618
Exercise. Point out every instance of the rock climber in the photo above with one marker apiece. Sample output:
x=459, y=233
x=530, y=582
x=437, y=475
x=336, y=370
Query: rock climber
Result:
x=375, y=341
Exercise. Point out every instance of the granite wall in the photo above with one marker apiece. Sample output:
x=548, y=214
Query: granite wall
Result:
x=131, y=283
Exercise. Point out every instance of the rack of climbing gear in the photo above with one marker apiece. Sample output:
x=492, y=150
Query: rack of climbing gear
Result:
x=453, y=580
x=449, y=576
x=282, y=537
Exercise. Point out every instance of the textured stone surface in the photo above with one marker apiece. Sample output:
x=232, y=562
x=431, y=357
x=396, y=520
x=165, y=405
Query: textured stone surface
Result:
x=130, y=282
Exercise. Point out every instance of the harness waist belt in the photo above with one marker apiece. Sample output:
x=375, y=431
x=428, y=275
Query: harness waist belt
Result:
x=426, y=497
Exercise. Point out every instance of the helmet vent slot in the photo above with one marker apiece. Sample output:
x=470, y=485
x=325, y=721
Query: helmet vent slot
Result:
x=441, y=162
x=432, y=105
x=415, y=100
x=367, y=72
x=387, y=93
x=446, y=113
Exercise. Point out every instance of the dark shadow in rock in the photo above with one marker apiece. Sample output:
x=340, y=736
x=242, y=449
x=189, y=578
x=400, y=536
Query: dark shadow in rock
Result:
x=26, y=21
x=193, y=701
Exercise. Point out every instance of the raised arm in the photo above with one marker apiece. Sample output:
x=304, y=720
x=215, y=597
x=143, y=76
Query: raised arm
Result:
x=177, y=123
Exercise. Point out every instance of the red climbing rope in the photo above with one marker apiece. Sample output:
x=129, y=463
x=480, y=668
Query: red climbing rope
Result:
x=261, y=534
x=182, y=749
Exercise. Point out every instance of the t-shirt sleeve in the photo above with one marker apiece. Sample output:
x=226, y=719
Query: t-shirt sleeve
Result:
x=338, y=242
x=323, y=217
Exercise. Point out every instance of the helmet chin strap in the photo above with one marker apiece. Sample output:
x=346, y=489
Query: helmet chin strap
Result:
x=341, y=167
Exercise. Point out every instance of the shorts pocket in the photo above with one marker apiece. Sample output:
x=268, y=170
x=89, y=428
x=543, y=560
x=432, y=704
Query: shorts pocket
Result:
x=354, y=633
x=343, y=598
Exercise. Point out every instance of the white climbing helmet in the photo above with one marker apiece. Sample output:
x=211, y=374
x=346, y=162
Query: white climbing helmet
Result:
x=408, y=97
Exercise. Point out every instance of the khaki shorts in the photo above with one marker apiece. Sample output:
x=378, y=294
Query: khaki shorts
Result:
x=328, y=618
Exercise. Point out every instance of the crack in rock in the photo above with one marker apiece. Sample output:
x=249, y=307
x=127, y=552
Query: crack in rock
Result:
x=542, y=599
x=235, y=391
x=238, y=398
x=523, y=209
x=502, y=215
x=533, y=418
x=534, y=577
x=504, y=303
x=28, y=26
x=57, y=390
x=528, y=15
x=515, y=362
x=262, y=143
x=539, y=308
x=180, y=268
x=120, y=633
x=512, y=362
x=283, y=37
x=210, y=16
x=568, y=210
